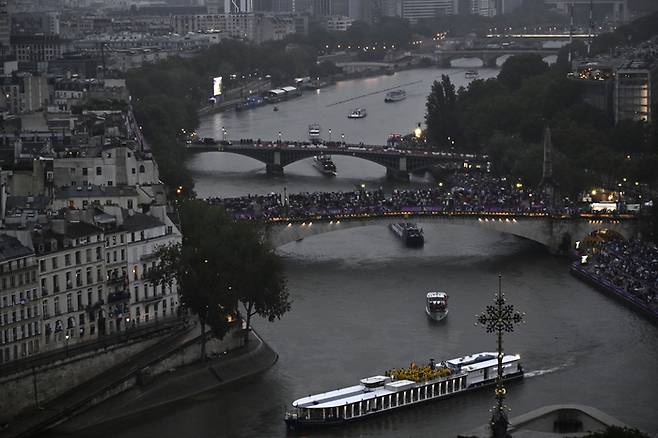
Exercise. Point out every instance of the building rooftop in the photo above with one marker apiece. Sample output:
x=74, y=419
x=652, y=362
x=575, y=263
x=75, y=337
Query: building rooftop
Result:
x=139, y=221
x=88, y=191
x=11, y=248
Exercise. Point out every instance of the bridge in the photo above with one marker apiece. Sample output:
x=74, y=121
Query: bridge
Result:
x=398, y=163
x=558, y=233
x=489, y=57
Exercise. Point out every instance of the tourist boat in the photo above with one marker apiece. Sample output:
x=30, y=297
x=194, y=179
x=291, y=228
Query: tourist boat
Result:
x=436, y=305
x=409, y=233
x=324, y=164
x=399, y=388
x=314, y=131
x=358, y=113
x=395, y=96
x=471, y=74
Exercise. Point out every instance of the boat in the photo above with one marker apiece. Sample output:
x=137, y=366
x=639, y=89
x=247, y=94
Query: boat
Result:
x=400, y=388
x=471, y=74
x=409, y=234
x=276, y=108
x=395, y=96
x=314, y=131
x=436, y=305
x=324, y=164
x=358, y=113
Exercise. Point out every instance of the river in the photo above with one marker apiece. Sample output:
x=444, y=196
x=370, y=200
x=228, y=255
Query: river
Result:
x=358, y=297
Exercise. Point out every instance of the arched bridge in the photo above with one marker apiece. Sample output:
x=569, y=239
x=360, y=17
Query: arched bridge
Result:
x=557, y=233
x=398, y=163
x=488, y=56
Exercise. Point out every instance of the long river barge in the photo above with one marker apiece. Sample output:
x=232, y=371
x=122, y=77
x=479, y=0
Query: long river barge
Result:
x=401, y=388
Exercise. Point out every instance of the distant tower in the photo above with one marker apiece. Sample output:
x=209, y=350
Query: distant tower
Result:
x=547, y=183
x=591, y=27
x=571, y=36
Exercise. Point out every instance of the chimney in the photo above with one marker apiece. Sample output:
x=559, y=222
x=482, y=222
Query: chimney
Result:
x=58, y=225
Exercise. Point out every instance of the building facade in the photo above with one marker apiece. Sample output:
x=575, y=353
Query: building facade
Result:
x=634, y=91
x=20, y=301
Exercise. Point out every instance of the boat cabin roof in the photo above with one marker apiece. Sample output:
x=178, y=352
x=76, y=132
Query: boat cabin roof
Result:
x=374, y=380
x=481, y=360
x=437, y=295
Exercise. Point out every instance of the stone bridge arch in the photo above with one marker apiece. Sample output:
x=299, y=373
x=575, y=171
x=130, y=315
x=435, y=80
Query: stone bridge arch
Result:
x=557, y=235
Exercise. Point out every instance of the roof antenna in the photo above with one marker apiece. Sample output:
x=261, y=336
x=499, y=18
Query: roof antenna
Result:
x=571, y=35
x=591, y=27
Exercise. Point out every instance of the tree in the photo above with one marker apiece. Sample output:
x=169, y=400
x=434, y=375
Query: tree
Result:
x=441, y=116
x=219, y=264
x=257, y=276
x=520, y=67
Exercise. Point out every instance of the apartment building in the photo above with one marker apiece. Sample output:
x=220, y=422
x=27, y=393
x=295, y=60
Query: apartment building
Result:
x=20, y=301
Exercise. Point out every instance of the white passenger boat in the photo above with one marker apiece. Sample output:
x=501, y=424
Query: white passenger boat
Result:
x=436, y=305
x=399, y=388
x=358, y=113
x=314, y=131
x=471, y=74
x=395, y=96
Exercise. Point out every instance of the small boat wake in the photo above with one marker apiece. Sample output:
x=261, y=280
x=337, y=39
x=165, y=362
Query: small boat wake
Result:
x=536, y=373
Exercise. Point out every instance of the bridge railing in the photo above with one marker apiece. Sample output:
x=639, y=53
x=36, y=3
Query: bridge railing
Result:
x=341, y=147
x=295, y=215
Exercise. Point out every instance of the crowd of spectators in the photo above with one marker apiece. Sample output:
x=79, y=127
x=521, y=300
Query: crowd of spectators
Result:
x=631, y=267
x=461, y=193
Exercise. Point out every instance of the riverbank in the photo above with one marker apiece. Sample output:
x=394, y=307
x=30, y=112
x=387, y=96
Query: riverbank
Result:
x=223, y=368
x=609, y=288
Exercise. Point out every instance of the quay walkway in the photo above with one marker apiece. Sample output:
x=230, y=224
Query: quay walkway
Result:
x=80, y=397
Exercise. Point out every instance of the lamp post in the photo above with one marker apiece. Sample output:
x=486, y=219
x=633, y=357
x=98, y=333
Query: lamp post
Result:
x=329, y=134
x=342, y=138
x=279, y=137
x=223, y=133
x=498, y=318
x=66, y=344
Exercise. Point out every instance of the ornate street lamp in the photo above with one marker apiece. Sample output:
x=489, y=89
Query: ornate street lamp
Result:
x=498, y=318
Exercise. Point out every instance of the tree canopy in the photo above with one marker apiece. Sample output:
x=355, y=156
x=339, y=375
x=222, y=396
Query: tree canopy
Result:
x=220, y=264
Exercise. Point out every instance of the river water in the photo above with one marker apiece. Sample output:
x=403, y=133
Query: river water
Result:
x=358, y=297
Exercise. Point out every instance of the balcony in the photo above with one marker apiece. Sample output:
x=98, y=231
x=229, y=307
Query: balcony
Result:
x=117, y=279
x=113, y=297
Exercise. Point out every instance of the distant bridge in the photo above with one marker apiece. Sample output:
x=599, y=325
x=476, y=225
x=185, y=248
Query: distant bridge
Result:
x=398, y=163
x=557, y=233
x=489, y=57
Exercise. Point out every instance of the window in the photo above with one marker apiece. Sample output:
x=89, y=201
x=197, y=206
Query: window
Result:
x=133, y=170
x=42, y=265
x=67, y=259
x=130, y=204
x=99, y=170
x=79, y=299
x=89, y=297
x=109, y=183
x=78, y=258
x=56, y=300
x=85, y=171
x=98, y=253
x=69, y=302
x=141, y=168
